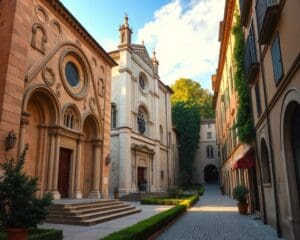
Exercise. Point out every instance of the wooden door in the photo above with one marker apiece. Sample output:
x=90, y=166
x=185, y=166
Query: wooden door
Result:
x=64, y=172
x=141, y=178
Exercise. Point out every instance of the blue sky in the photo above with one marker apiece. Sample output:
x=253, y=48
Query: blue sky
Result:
x=184, y=33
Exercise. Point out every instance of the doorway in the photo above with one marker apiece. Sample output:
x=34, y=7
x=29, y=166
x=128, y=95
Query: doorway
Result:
x=64, y=171
x=211, y=174
x=142, y=178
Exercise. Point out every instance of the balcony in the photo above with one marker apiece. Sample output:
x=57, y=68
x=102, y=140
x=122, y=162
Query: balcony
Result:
x=245, y=6
x=267, y=12
x=251, y=65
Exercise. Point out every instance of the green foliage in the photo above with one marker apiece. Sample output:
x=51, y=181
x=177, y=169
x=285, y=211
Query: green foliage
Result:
x=146, y=228
x=240, y=193
x=19, y=206
x=174, y=192
x=189, y=91
x=182, y=200
x=244, y=122
x=201, y=190
x=186, y=118
x=41, y=234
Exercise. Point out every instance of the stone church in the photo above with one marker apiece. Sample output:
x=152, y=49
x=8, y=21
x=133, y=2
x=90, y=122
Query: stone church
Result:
x=143, y=143
x=55, y=87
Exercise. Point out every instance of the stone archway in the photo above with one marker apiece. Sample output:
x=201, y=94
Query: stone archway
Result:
x=91, y=158
x=290, y=142
x=211, y=174
x=40, y=113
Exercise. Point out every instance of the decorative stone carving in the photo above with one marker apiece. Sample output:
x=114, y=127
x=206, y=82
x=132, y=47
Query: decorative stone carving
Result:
x=39, y=37
x=142, y=53
x=56, y=28
x=101, y=87
x=94, y=62
x=48, y=76
x=85, y=104
x=58, y=89
x=92, y=104
x=41, y=14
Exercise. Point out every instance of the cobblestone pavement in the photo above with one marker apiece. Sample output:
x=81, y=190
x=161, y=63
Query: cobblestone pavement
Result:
x=215, y=217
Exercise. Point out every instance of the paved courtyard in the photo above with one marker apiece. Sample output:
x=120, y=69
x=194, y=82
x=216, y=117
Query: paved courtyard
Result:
x=103, y=229
x=215, y=217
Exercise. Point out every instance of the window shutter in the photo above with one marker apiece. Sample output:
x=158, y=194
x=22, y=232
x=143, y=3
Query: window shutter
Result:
x=276, y=59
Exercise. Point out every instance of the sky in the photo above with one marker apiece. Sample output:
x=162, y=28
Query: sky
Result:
x=184, y=33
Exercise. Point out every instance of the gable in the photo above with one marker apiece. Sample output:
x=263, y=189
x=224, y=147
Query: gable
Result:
x=141, y=51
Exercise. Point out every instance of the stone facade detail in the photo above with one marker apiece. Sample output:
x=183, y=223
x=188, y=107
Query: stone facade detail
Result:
x=141, y=158
x=57, y=109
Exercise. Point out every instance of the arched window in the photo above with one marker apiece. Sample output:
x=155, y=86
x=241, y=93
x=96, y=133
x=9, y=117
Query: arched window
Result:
x=142, y=121
x=265, y=166
x=143, y=82
x=209, y=151
x=69, y=118
x=296, y=143
x=113, y=116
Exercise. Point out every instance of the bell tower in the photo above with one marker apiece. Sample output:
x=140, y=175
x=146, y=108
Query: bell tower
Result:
x=125, y=32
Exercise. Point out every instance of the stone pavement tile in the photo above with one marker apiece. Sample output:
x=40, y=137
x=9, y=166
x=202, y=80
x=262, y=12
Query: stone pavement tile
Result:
x=215, y=217
x=100, y=230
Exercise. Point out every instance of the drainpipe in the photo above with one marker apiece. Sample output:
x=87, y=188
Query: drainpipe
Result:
x=278, y=224
x=167, y=136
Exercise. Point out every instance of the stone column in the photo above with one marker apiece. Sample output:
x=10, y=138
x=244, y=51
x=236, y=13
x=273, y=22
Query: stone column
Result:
x=51, y=162
x=95, y=193
x=77, y=193
x=55, y=192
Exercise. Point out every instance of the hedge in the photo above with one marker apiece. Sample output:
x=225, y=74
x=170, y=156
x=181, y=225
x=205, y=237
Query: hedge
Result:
x=201, y=190
x=166, y=201
x=146, y=228
x=40, y=234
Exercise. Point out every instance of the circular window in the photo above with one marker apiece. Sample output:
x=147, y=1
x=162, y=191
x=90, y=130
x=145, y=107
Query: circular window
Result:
x=72, y=74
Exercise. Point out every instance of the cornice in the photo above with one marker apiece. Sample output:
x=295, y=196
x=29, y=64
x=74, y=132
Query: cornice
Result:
x=64, y=13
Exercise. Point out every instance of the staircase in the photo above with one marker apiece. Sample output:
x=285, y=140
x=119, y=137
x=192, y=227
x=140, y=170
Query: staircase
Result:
x=88, y=213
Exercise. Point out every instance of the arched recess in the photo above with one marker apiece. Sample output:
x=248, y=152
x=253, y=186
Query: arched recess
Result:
x=211, y=173
x=40, y=112
x=143, y=120
x=91, y=133
x=265, y=162
x=290, y=144
x=71, y=117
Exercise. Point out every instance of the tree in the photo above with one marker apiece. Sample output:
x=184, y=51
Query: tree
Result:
x=186, y=118
x=189, y=91
x=19, y=206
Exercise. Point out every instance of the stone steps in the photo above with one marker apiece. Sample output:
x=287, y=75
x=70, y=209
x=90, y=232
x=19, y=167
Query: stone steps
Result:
x=89, y=213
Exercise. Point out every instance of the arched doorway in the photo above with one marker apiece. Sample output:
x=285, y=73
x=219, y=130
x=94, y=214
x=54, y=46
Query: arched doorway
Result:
x=211, y=174
x=91, y=157
x=40, y=112
x=290, y=132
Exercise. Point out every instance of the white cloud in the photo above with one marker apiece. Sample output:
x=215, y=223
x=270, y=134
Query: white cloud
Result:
x=185, y=39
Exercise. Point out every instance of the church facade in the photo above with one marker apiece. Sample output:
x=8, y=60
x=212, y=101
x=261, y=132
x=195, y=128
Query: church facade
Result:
x=55, y=96
x=143, y=143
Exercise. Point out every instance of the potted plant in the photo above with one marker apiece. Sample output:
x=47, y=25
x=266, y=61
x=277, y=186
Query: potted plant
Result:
x=116, y=193
x=240, y=194
x=20, y=209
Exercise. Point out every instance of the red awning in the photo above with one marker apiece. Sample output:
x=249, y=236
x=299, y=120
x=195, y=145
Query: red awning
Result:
x=245, y=162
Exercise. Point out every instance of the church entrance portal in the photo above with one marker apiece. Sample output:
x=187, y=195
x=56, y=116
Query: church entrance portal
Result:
x=142, y=178
x=211, y=174
x=64, y=172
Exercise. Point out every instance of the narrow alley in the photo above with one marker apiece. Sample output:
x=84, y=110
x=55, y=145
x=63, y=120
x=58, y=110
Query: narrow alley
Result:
x=216, y=217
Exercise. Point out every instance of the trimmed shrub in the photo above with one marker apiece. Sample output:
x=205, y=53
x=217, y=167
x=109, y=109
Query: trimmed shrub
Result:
x=146, y=228
x=41, y=234
x=201, y=190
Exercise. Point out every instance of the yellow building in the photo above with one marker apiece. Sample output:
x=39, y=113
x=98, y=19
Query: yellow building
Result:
x=272, y=60
x=237, y=159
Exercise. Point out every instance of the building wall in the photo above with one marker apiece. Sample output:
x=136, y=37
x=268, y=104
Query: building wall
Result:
x=232, y=150
x=201, y=159
x=273, y=124
x=152, y=150
x=39, y=39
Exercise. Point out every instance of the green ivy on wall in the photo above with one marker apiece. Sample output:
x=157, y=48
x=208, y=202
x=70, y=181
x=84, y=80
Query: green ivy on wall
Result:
x=244, y=122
